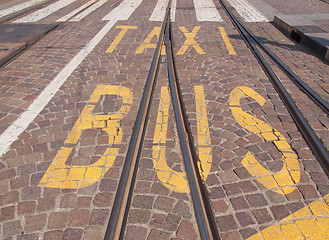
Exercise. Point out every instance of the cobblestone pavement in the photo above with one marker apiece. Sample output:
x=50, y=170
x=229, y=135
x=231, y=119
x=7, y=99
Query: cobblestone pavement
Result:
x=59, y=177
x=308, y=67
x=302, y=61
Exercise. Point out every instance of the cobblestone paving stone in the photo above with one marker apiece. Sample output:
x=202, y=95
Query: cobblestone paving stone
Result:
x=308, y=67
x=28, y=211
x=244, y=202
x=242, y=205
x=159, y=210
x=22, y=82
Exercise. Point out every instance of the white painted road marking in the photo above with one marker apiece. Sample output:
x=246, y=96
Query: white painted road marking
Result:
x=206, y=11
x=160, y=11
x=247, y=11
x=122, y=12
x=173, y=10
x=88, y=11
x=19, y=7
x=44, y=12
x=63, y=19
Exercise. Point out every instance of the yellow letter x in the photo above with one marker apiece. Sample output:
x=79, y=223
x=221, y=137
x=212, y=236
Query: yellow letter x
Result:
x=190, y=41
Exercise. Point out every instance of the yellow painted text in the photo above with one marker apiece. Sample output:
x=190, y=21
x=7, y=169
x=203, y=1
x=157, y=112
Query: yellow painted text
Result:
x=190, y=41
x=227, y=41
x=62, y=175
x=171, y=179
x=283, y=181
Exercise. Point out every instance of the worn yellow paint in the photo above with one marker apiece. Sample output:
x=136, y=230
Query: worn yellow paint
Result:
x=171, y=179
x=227, y=41
x=62, y=175
x=204, y=143
x=119, y=37
x=147, y=42
x=282, y=182
x=190, y=41
x=310, y=222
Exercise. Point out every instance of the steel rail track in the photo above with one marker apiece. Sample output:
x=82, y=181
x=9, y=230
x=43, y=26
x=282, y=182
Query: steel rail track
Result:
x=18, y=52
x=315, y=144
x=116, y=225
x=297, y=80
x=202, y=208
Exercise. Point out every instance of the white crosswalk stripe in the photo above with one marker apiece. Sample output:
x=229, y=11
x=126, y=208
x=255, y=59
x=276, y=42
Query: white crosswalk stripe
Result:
x=63, y=19
x=88, y=11
x=173, y=10
x=44, y=12
x=128, y=6
x=160, y=11
x=248, y=12
x=206, y=10
x=19, y=7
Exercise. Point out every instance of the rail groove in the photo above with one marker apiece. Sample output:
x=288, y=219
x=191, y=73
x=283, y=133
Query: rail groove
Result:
x=315, y=144
x=119, y=213
x=18, y=52
x=202, y=208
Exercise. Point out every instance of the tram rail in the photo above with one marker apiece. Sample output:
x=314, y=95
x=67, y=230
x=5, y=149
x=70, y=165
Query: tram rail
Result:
x=205, y=219
x=120, y=209
x=16, y=53
x=202, y=207
x=315, y=144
